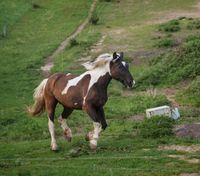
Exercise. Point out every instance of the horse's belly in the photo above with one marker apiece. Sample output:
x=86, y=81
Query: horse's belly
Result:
x=73, y=101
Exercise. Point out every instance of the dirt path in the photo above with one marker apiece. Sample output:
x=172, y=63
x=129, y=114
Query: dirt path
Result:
x=162, y=17
x=49, y=60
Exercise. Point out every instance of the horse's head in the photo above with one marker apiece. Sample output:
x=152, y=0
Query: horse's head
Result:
x=120, y=71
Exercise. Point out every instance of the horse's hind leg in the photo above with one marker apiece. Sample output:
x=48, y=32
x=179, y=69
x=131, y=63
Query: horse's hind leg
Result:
x=51, y=103
x=62, y=120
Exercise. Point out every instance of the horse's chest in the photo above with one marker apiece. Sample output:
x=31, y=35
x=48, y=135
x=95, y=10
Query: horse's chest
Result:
x=97, y=97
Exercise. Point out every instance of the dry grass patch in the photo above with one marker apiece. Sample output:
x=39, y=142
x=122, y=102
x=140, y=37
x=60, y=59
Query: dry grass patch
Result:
x=181, y=148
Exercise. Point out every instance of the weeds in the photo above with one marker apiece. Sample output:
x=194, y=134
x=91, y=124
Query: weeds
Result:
x=191, y=95
x=156, y=127
x=194, y=24
x=73, y=42
x=94, y=19
x=174, y=66
x=171, y=26
x=165, y=43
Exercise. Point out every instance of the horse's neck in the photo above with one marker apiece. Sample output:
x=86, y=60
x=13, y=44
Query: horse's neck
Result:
x=101, y=76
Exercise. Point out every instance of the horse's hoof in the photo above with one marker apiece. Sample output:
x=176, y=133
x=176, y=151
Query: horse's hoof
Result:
x=54, y=147
x=68, y=135
x=93, y=144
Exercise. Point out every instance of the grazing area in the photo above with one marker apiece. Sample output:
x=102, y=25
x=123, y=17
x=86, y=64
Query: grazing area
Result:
x=161, y=43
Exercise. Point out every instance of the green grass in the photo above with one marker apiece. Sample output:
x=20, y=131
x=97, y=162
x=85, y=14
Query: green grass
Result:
x=35, y=35
x=191, y=95
x=174, y=66
x=171, y=26
x=32, y=35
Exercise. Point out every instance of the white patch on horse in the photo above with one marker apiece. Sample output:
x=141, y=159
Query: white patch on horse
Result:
x=52, y=133
x=95, y=70
x=133, y=82
x=124, y=63
x=97, y=130
x=72, y=82
x=75, y=104
x=68, y=74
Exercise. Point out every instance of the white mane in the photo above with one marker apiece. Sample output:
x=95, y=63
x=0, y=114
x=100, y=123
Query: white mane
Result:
x=100, y=61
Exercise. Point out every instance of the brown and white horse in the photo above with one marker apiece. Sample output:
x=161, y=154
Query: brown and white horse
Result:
x=87, y=92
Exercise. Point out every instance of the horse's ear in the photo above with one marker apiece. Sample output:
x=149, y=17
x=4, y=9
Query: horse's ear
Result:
x=121, y=55
x=114, y=55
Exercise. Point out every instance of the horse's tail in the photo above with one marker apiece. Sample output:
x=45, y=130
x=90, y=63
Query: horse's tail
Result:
x=39, y=104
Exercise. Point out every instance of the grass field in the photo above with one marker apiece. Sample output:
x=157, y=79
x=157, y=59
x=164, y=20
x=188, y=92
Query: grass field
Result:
x=31, y=30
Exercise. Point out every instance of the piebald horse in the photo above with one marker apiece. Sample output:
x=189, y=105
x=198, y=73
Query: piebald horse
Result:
x=87, y=92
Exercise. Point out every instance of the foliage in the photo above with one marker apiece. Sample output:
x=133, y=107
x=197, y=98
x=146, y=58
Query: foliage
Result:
x=156, y=127
x=171, y=26
x=174, y=66
x=194, y=24
x=73, y=42
x=165, y=42
x=192, y=38
x=33, y=33
x=94, y=19
x=132, y=105
x=190, y=95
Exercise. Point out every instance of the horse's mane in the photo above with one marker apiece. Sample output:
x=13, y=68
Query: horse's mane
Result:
x=100, y=61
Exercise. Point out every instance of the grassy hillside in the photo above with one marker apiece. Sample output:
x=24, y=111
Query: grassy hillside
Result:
x=35, y=29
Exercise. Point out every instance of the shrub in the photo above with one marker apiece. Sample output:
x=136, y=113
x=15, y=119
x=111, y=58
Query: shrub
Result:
x=173, y=66
x=35, y=6
x=94, y=19
x=165, y=43
x=192, y=38
x=194, y=24
x=171, y=26
x=191, y=95
x=73, y=42
x=156, y=127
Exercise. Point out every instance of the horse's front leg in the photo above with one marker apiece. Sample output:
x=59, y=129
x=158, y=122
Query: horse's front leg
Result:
x=62, y=120
x=97, y=115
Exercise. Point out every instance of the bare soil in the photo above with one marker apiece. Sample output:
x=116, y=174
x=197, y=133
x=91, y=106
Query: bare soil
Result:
x=181, y=148
x=184, y=158
x=188, y=130
x=166, y=16
x=190, y=174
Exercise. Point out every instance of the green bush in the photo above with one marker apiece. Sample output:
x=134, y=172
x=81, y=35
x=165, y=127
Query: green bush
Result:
x=190, y=95
x=165, y=43
x=192, y=38
x=94, y=19
x=173, y=66
x=171, y=26
x=194, y=24
x=156, y=127
x=73, y=42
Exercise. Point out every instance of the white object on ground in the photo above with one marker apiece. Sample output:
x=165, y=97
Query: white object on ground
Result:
x=163, y=110
x=175, y=114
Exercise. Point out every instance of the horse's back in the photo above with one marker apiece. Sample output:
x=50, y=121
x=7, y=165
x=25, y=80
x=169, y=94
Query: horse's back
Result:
x=58, y=81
